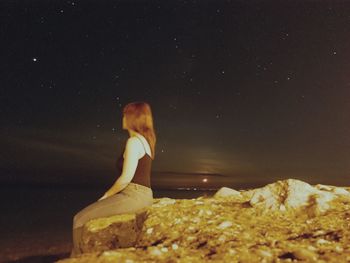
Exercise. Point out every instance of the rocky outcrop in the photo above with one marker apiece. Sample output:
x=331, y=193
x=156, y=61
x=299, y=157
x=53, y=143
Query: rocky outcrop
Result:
x=225, y=191
x=284, y=221
x=288, y=194
x=118, y=231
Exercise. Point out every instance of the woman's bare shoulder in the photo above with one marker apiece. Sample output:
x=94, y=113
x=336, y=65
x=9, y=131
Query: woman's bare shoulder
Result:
x=133, y=141
x=133, y=145
x=145, y=143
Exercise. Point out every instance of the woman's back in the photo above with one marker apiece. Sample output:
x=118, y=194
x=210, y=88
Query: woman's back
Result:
x=142, y=174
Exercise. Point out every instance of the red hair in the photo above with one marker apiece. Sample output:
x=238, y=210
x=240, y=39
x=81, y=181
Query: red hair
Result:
x=138, y=117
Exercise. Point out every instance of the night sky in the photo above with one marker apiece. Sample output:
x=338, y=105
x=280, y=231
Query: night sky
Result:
x=243, y=90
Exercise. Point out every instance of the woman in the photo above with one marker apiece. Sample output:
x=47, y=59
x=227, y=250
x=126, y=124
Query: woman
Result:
x=132, y=190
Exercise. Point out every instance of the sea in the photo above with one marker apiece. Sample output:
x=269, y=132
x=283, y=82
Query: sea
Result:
x=36, y=220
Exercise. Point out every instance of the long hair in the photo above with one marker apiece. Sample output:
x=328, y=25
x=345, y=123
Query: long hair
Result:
x=138, y=117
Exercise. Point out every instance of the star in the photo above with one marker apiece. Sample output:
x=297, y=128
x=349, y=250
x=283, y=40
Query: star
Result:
x=34, y=59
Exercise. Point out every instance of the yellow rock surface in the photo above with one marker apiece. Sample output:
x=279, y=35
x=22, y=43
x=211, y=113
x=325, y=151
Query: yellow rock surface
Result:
x=231, y=229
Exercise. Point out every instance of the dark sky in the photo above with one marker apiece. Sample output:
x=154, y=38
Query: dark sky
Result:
x=250, y=90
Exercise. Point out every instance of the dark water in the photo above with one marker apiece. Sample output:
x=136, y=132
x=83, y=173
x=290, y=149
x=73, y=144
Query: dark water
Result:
x=42, y=216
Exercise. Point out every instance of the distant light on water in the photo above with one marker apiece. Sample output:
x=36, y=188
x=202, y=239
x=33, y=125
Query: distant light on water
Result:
x=203, y=184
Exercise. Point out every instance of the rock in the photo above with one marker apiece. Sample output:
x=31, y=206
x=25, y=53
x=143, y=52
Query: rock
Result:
x=230, y=229
x=269, y=196
x=295, y=194
x=305, y=254
x=299, y=194
x=333, y=189
x=225, y=191
x=118, y=231
x=225, y=224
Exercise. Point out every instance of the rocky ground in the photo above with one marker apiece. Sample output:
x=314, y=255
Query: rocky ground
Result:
x=288, y=221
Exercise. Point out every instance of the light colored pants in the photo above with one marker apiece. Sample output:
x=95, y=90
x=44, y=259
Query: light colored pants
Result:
x=131, y=199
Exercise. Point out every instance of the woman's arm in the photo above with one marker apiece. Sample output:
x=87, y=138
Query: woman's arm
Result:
x=116, y=188
x=132, y=150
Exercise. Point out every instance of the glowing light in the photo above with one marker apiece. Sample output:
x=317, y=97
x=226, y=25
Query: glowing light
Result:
x=205, y=180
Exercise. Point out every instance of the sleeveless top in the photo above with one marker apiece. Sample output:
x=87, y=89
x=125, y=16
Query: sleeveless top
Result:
x=142, y=174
